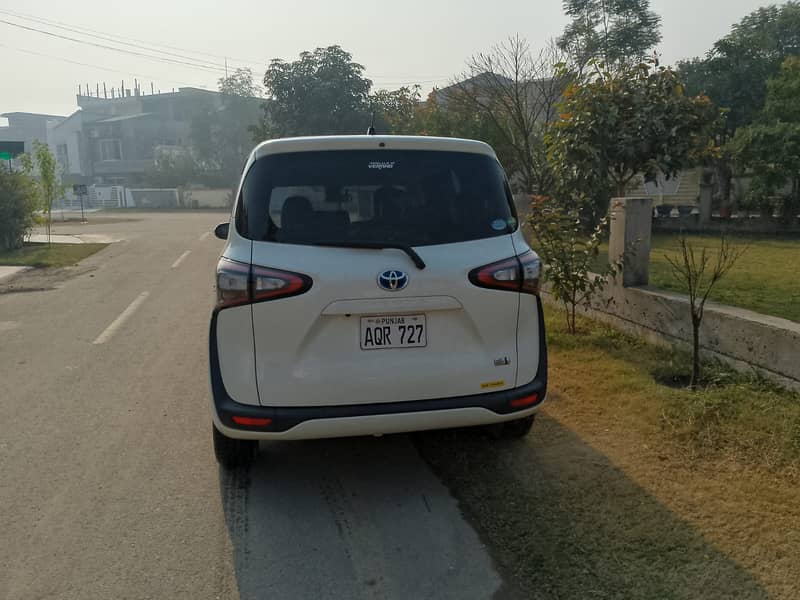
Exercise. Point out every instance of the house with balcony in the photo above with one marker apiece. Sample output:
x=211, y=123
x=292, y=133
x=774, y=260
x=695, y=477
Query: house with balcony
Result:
x=116, y=141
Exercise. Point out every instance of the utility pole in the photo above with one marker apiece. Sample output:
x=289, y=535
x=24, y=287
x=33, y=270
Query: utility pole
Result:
x=226, y=67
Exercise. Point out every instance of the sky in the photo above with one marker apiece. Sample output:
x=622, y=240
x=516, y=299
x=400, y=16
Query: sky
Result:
x=399, y=43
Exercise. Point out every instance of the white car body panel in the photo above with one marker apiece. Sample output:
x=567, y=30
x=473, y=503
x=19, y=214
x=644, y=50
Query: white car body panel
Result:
x=305, y=357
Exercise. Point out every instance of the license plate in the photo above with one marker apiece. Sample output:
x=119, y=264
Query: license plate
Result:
x=393, y=331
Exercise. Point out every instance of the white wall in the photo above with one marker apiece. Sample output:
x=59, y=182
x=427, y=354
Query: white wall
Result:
x=68, y=132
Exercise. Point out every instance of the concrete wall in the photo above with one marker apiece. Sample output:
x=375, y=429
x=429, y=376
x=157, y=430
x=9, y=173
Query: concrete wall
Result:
x=207, y=198
x=741, y=338
x=745, y=226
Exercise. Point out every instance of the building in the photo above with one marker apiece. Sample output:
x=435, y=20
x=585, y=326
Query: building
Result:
x=27, y=127
x=116, y=141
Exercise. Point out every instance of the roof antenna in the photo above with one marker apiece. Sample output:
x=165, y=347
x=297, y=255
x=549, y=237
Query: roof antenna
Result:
x=371, y=128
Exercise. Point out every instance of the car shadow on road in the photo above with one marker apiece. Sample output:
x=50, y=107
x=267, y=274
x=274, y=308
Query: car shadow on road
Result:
x=351, y=518
x=564, y=522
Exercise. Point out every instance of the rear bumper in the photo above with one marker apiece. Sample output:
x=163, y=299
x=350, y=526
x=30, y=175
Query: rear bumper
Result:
x=370, y=419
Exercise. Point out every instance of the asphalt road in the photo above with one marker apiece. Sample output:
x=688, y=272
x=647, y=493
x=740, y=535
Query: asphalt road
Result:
x=108, y=484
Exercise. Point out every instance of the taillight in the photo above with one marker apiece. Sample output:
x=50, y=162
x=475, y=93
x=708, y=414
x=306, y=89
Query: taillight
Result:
x=517, y=274
x=233, y=283
x=239, y=283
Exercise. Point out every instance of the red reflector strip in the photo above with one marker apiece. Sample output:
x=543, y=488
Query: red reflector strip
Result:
x=524, y=401
x=251, y=421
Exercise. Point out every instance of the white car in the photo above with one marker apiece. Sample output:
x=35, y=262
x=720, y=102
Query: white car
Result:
x=373, y=285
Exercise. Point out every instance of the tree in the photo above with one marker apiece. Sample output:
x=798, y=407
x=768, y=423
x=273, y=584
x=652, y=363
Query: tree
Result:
x=735, y=72
x=618, y=126
x=221, y=136
x=612, y=31
x=173, y=170
x=770, y=148
x=569, y=254
x=48, y=185
x=239, y=84
x=700, y=272
x=18, y=204
x=323, y=92
x=449, y=117
x=518, y=93
x=397, y=109
x=782, y=93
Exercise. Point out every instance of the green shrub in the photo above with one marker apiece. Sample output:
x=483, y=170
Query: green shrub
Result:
x=17, y=208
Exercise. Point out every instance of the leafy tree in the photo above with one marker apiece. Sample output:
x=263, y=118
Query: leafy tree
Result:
x=569, y=254
x=612, y=31
x=172, y=170
x=618, y=126
x=48, y=184
x=397, y=109
x=18, y=204
x=770, y=148
x=700, y=272
x=454, y=118
x=239, y=84
x=517, y=92
x=783, y=92
x=735, y=72
x=222, y=132
x=323, y=92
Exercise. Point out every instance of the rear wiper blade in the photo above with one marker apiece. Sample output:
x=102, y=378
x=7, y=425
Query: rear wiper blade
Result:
x=412, y=254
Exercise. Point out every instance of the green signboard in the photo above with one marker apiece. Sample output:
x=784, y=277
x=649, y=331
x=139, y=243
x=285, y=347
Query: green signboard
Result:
x=9, y=150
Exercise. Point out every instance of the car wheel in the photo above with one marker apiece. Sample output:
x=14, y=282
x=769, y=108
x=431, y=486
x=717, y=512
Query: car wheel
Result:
x=232, y=453
x=511, y=430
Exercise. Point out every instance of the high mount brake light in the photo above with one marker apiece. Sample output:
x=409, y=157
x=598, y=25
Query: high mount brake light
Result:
x=516, y=274
x=240, y=283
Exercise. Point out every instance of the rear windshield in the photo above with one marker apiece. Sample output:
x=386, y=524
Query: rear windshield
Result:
x=417, y=198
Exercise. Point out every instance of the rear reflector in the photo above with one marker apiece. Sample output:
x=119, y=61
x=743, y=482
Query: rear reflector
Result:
x=524, y=401
x=251, y=421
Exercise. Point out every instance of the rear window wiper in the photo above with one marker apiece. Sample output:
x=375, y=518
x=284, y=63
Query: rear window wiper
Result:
x=412, y=254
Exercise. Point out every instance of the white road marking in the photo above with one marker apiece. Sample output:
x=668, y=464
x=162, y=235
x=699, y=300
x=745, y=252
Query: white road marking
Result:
x=181, y=258
x=120, y=320
x=205, y=236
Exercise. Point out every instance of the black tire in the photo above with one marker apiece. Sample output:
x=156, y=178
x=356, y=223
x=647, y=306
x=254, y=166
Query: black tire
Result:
x=232, y=453
x=511, y=430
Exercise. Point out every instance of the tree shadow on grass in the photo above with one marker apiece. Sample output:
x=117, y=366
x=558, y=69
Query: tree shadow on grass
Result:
x=564, y=522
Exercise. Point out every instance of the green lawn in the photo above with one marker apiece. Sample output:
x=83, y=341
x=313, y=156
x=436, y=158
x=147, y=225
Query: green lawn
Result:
x=766, y=279
x=42, y=255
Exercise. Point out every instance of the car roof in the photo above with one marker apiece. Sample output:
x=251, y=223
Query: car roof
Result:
x=370, y=142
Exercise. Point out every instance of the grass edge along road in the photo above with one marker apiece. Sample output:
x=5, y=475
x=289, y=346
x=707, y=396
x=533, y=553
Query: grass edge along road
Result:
x=43, y=256
x=629, y=488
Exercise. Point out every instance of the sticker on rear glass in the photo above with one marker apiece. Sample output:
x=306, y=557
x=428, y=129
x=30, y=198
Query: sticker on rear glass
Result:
x=499, y=225
x=381, y=164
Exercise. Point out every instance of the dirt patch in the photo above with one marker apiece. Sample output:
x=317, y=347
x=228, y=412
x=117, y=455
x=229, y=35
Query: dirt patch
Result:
x=42, y=280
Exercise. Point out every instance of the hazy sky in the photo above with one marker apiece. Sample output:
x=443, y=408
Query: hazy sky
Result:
x=425, y=41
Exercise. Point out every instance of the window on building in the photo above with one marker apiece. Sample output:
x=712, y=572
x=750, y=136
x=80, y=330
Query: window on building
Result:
x=110, y=150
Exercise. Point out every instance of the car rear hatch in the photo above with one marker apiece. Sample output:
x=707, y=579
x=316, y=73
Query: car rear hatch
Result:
x=377, y=325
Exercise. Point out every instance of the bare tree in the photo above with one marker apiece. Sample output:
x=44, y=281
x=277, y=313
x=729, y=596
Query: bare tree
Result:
x=700, y=272
x=519, y=92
